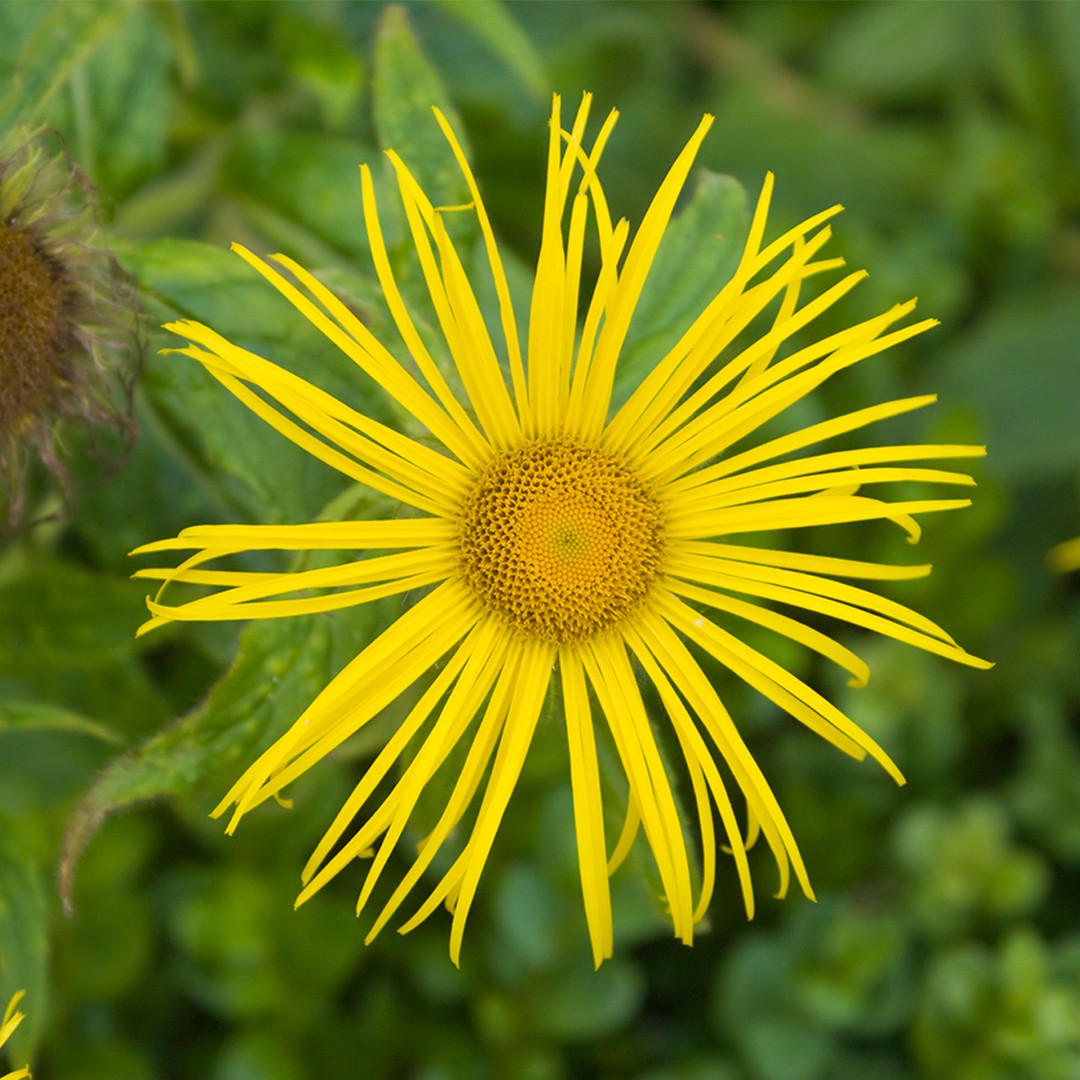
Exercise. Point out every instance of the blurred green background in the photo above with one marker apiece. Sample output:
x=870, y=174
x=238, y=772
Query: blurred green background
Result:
x=946, y=939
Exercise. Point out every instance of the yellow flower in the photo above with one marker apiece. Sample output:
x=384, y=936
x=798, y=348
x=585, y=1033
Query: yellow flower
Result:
x=561, y=538
x=1066, y=556
x=12, y=1019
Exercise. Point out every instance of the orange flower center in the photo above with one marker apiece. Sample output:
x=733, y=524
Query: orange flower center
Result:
x=560, y=539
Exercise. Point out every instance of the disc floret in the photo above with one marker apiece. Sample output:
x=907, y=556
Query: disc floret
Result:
x=560, y=539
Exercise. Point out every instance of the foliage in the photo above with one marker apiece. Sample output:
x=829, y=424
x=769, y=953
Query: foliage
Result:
x=945, y=942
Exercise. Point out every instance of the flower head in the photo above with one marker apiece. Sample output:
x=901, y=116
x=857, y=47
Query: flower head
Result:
x=12, y=1019
x=68, y=323
x=561, y=538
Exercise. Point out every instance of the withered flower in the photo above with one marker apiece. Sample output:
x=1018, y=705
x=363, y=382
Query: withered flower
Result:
x=69, y=333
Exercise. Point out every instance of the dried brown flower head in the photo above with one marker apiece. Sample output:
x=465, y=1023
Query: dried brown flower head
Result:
x=69, y=332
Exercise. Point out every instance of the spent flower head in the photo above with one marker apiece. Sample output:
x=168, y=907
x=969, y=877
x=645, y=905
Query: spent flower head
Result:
x=69, y=341
x=552, y=536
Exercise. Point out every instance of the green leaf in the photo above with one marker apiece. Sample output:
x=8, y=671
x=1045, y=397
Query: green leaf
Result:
x=491, y=22
x=698, y=254
x=1044, y=789
x=55, y=617
x=406, y=87
x=754, y=1006
x=312, y=180
x=317, y=56
x=577, y=1002
x=35, y=716
x=63, y=39
x=187, y=279
x=902, y=52
x=1063, y=21
x=252, y=466
x=527, y=915
x=120, y=103
x=885, y=166
x=110, y=523
x=23, y=936
x=1017, y=369
x=281, y=666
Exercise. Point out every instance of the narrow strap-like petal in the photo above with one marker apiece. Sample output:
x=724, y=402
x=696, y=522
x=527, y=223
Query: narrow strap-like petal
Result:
x=612, y=679
x=527, y=700
x=588, y=805
x=702, y=766
x=624, y=297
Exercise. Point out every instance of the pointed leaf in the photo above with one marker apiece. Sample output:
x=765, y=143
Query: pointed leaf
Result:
x=698, y=254
x=406, y=87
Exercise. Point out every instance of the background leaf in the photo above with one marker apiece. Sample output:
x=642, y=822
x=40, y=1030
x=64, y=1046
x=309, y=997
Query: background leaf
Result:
x=280, y=667
x=1018, y=369
x=699, y=251
x=493, y=23
x=24, y=920
x=57, y=617
x=253, y=466
x=35, y=716
x=406, y=86
x=63, y=38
